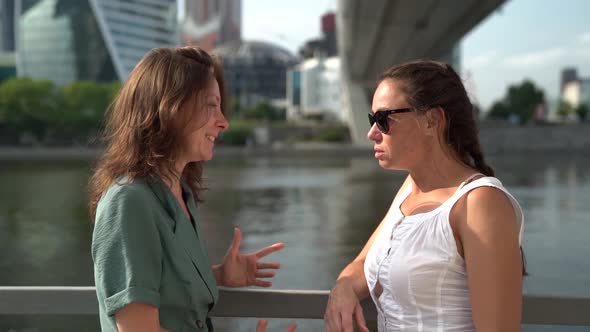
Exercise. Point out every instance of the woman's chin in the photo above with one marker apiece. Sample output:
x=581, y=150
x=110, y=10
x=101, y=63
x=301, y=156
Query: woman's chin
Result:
x=388, y=164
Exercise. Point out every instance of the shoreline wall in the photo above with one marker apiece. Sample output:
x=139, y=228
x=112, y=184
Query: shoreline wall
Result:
x=495, y=140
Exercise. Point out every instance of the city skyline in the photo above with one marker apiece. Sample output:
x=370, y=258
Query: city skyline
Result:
x=524, y=39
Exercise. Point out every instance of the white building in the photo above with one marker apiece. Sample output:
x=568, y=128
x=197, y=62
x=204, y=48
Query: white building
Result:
x=575, y=90
x=313, y=90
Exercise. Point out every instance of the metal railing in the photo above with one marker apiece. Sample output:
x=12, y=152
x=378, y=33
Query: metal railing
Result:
x=308, y=304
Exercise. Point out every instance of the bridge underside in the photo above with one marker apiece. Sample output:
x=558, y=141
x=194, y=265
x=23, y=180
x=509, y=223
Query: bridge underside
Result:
x=374, y=35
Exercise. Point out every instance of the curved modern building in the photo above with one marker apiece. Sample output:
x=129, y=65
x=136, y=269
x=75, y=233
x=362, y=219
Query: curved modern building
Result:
x=255, y=70
x=98, y=40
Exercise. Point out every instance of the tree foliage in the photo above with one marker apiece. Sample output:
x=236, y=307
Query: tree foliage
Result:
x=49, y=112
x=582, y=112
x=564, y=110
x=520, y=100
x=263, y=111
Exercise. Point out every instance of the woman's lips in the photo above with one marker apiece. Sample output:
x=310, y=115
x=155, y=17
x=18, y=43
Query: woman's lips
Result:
x=379, y=153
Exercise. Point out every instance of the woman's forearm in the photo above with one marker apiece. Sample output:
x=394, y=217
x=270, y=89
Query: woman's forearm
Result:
x=354, y=275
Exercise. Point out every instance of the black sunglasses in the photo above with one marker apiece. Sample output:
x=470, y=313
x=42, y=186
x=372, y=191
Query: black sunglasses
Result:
x=382, y=117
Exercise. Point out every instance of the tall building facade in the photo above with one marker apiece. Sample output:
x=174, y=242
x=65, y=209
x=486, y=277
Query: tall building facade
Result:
x=211, y=23
x=575, y=90
x=326, y=45
x=7, y=55
x=6, y=25
x=98, y=40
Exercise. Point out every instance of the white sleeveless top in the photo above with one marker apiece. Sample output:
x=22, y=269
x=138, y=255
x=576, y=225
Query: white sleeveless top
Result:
x=415, y=274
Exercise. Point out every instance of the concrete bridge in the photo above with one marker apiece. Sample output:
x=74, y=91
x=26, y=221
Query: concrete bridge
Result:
x=374, y=35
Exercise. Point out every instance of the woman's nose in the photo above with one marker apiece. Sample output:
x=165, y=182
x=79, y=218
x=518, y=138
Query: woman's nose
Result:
x=222, y=121
x=373, y=133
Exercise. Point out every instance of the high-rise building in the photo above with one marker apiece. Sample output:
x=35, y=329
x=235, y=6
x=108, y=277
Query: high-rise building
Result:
x=6, y=25
x=326, y=45
x=7, y=56
x=211, y=23
x=567, y=75
x=98, y=40
x=575, y=90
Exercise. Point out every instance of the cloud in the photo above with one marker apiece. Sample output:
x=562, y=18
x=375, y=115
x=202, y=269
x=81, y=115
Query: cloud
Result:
x=532, y=59
x=481, y=60
x=581, y=53
x=584, y=38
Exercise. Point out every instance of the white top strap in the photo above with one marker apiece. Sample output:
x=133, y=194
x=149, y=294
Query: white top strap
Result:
x=490, y=181
x=473, y=176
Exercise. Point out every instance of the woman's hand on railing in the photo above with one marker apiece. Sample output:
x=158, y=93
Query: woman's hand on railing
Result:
x=344, y=306
x=261, y=327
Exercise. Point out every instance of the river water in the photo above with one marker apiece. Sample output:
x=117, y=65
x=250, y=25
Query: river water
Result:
x=322, y=207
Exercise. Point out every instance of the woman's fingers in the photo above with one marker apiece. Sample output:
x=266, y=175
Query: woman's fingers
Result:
x=265, y=274
x=234, y=248
x=262, y=283
x=261, y=326
x=359, y=317
x=269, y=250
x=269, y=265
x=346, y=319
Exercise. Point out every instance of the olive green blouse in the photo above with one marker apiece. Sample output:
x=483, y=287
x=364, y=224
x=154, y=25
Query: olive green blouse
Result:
x=145, y=250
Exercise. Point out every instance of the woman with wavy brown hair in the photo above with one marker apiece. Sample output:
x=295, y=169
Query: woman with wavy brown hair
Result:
x=151, y=266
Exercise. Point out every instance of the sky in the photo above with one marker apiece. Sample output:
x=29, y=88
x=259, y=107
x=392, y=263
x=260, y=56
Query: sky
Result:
x=524, y=39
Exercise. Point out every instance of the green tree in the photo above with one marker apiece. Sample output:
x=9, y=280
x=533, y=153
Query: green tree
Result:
x=564, y=109
x=85, y=105
x=264, y=111
x=499, y=110
x=520, y=100
x=582, y=112
x=30, y=106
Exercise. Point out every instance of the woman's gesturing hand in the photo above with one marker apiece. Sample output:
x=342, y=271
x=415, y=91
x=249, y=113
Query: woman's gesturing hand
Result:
x=238, y=270
x=344, y=306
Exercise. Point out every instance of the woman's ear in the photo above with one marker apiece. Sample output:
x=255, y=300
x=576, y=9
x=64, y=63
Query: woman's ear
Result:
x=435, y=121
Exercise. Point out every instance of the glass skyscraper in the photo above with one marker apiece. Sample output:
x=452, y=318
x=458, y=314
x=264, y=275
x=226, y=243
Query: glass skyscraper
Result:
x=98, y=40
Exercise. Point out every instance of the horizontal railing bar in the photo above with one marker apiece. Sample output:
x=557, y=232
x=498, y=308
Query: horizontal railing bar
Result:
x=261, y=303
x=307, y=304
x=48, y=300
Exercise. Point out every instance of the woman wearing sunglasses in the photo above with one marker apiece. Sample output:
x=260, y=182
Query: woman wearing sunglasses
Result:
x=446, y=256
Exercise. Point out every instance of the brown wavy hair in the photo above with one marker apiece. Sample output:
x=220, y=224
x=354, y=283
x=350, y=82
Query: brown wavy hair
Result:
x=427, y=84
x=146, y=124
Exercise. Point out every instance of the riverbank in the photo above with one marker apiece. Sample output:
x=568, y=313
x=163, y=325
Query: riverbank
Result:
x=80, y=154
x=495, y=140
x=89, y=154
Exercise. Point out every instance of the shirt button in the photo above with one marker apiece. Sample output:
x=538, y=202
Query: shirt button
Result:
x=200, y=324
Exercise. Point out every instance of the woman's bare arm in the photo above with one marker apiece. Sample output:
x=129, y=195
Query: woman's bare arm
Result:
x=488, y=231
x=138, y=317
